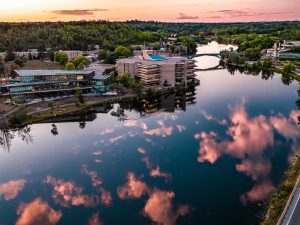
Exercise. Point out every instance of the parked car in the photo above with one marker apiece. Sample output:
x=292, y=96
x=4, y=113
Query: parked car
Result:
x=8, y=101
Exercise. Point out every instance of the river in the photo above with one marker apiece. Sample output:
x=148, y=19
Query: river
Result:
x=211, y=156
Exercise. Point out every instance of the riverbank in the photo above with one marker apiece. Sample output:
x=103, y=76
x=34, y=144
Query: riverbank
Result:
x=30, y=114
x=280, y=199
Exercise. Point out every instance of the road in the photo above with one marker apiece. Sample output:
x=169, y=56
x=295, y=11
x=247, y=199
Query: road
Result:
x=292, y=215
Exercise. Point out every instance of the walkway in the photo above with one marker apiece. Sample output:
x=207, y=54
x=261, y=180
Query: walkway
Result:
x=291, y=214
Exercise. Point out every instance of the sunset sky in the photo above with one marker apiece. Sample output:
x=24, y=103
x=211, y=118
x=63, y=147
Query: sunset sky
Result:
x=167, y=10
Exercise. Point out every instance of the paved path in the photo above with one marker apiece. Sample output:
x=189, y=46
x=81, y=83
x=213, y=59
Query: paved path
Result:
x=292, y=213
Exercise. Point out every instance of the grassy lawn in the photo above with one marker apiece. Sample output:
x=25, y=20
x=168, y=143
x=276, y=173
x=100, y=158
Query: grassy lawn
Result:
x=39, y=65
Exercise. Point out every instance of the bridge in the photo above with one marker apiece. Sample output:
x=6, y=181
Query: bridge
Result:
x=218, y=67
x=219, y=55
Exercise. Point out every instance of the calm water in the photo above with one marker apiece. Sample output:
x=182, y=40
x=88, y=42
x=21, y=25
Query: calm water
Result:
x=210, y=156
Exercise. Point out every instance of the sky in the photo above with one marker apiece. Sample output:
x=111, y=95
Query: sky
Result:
x=159, y=10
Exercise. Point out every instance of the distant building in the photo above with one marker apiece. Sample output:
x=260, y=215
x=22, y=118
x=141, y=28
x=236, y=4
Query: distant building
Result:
x=73, y=54
x=48, y=82
x=156, y=70
x=289, y=56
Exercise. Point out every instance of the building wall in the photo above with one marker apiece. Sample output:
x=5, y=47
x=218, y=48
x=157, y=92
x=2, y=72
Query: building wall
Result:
x=130, y=68
x=167, y=73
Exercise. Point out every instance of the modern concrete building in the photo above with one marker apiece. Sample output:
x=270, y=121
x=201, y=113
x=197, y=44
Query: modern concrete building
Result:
x=155, y=70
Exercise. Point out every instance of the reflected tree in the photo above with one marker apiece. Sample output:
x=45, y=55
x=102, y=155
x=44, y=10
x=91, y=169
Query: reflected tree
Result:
x=54, y=130
x=120, y=114
x=8, y=134
x=82, y=124
x=286, y=79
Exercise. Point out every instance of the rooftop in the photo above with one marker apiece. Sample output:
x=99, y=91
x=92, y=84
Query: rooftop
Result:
x=155, y=57
x=32, y=73
x=101, y=77
x=139, y=59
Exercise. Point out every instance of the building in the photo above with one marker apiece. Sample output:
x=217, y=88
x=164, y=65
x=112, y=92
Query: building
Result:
x=155, y=70
x=289, y=56
x=101, y=83
x=40, y=83
x=73, y=54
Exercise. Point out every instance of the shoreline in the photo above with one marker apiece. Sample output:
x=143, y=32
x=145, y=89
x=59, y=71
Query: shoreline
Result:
x=20, y=117
x=281, y=199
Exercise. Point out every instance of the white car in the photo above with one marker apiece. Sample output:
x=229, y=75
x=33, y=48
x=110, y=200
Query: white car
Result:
x=8, y=101
x=110, y=93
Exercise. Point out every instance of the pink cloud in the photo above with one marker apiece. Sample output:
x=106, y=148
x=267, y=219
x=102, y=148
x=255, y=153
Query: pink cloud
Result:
x=180, y=128
x=106, y=198
x=37, y=212
x=163, y=131
x=66, y=193
x=96, y=181
x=133, y=189
x=141, y=150
x=249, y=139
x=259, y=192
x=11, y=189
x=155, y=172
x=95, y=219
x=159, y=208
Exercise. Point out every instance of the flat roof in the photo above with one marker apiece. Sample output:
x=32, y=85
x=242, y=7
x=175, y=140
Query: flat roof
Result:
x=39, y=83
x=169, y=60
x=33, y=73
x=101, y=77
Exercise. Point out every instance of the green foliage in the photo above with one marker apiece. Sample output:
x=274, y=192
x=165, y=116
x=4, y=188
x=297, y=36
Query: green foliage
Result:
x=138, y=88
x=20, y=61
x=70, y=66
x=189, y=43
x=267, y=64
x=288, y=68
x=126, y=80
x=108, y=56
x=156, y=46
x=252, y=54
x=295, y=49
x=71, y=35
x=123, y=52
x=81, y=62
x=61, y=58
x=78, y=93
x=51, y=105
x=235, y=59
x=1, y=66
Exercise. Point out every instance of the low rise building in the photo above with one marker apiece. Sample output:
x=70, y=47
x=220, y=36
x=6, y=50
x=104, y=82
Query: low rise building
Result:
x=155, y=70
x=48, y=82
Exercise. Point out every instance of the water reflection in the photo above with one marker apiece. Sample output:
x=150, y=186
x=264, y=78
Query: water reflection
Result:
x=249, y=139
x=8, y=134
x=163, y=160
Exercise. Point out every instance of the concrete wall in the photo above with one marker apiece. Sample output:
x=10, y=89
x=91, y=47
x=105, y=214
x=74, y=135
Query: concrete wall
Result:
x=167, y=72
x=131, y=68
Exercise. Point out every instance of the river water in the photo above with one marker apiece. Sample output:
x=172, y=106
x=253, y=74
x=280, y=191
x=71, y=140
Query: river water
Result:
x=211, y=156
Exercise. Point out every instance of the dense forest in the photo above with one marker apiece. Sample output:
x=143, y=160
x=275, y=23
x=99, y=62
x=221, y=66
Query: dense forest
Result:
x=70, y=35
x=80, y=35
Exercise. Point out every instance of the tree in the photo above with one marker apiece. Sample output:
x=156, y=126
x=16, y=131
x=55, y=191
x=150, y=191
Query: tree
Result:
x=20, y=61
x=102, y=54
x=122, y=51
x=51, y=105
x=126, y=80
x=252, y=54
x=156, y=46
x=288, y=68
x=70, y=66
x=138, y=88
x=78, y=93
x=81, y=62
x=61, y=58
x=1, y=66
x=267, y=64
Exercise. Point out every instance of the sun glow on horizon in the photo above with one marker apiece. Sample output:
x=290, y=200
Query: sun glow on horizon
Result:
x=169, y=10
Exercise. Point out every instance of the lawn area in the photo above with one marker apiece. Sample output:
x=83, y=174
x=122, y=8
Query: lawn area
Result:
x=39, y=65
